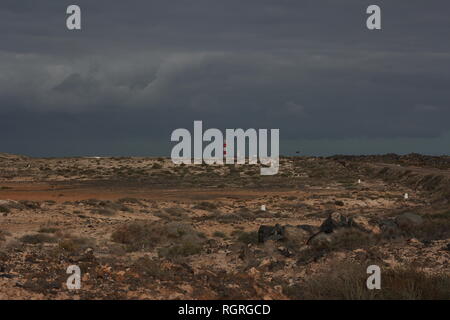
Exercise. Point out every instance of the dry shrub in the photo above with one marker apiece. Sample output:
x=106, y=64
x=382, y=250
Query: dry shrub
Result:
x=350, y=239
x=136, y=235
x=157, y=166
x=183, y=239
x=241, y=215
x=148, y=267
x=48, y=230
x=226, y=217
x=30, y=204
x=3, y=235
x=344, y=239
x=432, y=229
x=103, y=211
x=177, y=212
x=345, y=281
x=162, y=215
x=75, y=245
x=184, y=249
x=105, y=207
x=130, y=200
x=219, y=234
x=250, y=237
x=205, y=205
x=37, y=238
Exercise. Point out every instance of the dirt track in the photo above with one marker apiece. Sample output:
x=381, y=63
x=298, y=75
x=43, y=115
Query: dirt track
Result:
x=63, y=192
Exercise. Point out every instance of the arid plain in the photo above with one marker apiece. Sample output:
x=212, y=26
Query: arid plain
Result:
x=144, y=228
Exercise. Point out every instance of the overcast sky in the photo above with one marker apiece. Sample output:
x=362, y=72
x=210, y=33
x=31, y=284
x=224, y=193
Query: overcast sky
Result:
x=140, y=69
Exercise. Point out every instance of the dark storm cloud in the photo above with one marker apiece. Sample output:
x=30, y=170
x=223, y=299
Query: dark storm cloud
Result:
x=140, y=69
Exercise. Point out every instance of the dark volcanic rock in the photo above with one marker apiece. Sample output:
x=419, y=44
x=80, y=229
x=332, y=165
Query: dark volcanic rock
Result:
x=302, y=234
x=334, y=221
x=270, y=233
x=337, y=220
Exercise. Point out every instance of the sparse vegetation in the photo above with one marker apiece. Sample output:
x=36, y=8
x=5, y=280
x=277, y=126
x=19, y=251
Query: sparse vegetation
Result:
x=38, y=238
x=145, y=236
x=75, y=245
x=192, y=232
x=136, y=236
x=204, y=205
x=181, y=250
x=219, y=234
x=346, y=239
x=347, y=281
x=157, y=166
x=103, y=211
x=48, y=230
x=3, y=235
x=130, y=200
x=246, y=237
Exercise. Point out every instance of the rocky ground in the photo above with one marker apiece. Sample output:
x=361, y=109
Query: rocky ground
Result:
x=144, y=228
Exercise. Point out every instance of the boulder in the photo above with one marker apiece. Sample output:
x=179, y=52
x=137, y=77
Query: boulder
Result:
x=270, y=233
x=337, y=220
x=302, y=234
